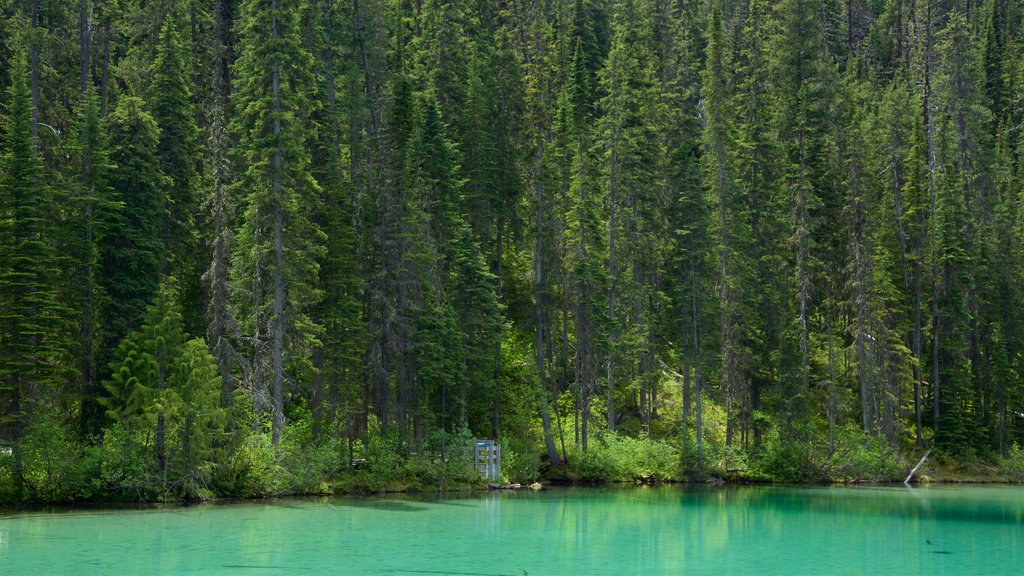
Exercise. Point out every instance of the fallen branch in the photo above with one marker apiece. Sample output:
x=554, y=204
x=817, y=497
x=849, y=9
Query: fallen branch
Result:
x=670, y=370
x=918, y=467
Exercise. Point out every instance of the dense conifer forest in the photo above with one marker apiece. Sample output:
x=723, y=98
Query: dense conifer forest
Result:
x=252, y=247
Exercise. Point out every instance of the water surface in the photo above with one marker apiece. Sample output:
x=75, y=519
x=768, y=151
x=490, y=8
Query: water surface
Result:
x=587, y=531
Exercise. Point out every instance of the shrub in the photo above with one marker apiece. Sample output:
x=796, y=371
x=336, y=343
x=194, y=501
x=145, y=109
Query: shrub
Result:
x=620, y=458
x=522, y=468
x=789, y=460
x=859, y=455
x=1013, y=464
x=122, y=463
x=52, y=464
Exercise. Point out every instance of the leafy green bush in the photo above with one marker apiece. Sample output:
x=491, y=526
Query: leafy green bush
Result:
x=389, y=465
x=307, y=465
x=123, y=464
x=1013, y=464
x=521, y=468
x=52, y=465
x=619, y=458
x=858, y=455
x=789, y=460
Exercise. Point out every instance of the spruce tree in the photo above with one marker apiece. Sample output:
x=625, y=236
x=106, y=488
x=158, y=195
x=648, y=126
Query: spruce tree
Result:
x=33, y=322
x=732, y=227
x=142, y=372
x=275, y=273
x=756, y=159
x=132, y=249
x=95, y=210
x=166, y=385
x=178, y=153
x=801, y=124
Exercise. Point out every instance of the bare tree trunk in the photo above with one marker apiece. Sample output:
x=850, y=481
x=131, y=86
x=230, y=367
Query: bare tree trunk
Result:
x=278, y=326
x=696, y=369
x=932, y=162
x=105, y=72
x=34, y=64
x=538, y=303
x=84, y=32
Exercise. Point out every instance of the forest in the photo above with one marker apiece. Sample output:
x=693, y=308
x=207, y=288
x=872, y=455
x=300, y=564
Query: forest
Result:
x=253, y=247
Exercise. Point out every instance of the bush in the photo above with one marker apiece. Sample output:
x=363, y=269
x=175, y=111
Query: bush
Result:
x=441, y=462
x=856, y=455
x=52, y=465
x=307, y=466
x=862, y=456
x=1013, y=464
x=521, y=468
x=625, y=459
x=789, y=460
x=123, y=465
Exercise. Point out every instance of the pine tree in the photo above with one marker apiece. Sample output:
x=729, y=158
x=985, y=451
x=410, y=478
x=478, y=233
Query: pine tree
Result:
x=963, y=188
x=164, y=384
x=732, y=227
x=142, y=372
x=756, y=159
x=275, y=275
x=33, y=322
x=95, y=207
x=801, y=124
x=132, y=249
x=586, y=252
x=178, y=154
x=630, y=108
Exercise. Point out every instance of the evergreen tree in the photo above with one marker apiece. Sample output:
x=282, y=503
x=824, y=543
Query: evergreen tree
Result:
x=132, y=248
x=963, y=189
x=756, y=159
x=96, y=207
x=33, y=322
x=168, y=386
x=732, y=227
x=178, y=153
x=801, y=123
x=277, y=245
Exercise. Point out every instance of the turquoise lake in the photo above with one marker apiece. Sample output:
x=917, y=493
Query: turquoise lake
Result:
x=586, y=531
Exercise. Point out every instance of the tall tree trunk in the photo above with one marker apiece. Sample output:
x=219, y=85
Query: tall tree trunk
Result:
x=105, y=72
x=934, y=222
x=34, y=74
x=278, y=328
x=538, y=305
x=499, y=288
x=84, y=32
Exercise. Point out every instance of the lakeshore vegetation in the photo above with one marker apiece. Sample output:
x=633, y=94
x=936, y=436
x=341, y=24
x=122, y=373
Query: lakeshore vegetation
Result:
x=253, y=247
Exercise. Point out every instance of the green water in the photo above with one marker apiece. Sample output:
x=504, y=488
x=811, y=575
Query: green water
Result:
x=757, y=531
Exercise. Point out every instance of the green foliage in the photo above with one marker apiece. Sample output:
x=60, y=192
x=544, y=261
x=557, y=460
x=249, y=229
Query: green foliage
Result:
x=622, y=458
x=387, y=466
x=856, y=456
x=168, y=389
x=1013, y=464
x=522, y=468
x=859, y=455
x=122, y=464
x=785, y=460
x=49, y=463
x=34, y=321
x=428, y=221
x=275, y=264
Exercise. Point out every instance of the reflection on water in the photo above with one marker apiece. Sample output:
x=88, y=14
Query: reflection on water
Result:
x=665, y=530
